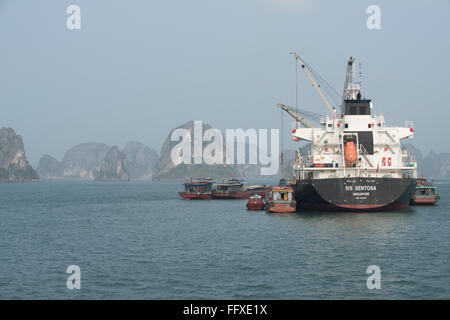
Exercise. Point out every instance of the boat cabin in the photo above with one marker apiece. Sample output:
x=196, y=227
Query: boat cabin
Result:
x=232, y=185
x=426, y=191
x=282, y=193
x=200, y=186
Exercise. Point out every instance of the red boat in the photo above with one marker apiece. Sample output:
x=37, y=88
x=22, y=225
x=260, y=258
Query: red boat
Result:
x=281, y=200
x=234, y=189
x=198, y=190
x=255, y=202
x=425, y=193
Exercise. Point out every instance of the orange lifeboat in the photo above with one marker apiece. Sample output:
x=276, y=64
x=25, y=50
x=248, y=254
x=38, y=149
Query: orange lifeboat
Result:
x=350, y=154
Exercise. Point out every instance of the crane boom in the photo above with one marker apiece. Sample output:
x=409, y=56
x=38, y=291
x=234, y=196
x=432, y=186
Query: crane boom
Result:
x=296, y=116
x=314, y=83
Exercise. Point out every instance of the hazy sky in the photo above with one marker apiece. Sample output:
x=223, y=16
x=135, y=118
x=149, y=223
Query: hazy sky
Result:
x=137, y=69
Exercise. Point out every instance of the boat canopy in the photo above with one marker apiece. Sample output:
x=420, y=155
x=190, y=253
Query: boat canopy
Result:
x=199, y=182
x=282, y=189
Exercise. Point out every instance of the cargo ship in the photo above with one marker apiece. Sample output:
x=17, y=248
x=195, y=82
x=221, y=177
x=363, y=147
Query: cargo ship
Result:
x=200, y=189
x=356, y=162
x=235, y=189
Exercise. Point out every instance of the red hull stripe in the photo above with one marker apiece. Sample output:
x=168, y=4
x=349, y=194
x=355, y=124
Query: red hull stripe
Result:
x=255, y=207
x=331, y=207
x=188, y=196
x=424, y=201
x=282, y=208
x=360, y=206
x=373, y=206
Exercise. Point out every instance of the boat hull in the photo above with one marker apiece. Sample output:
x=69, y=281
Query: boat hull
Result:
x=355, y=194
x=238, y=194
x=424, y=201
x=196, y=196
x=255, y=206
x=281, y=207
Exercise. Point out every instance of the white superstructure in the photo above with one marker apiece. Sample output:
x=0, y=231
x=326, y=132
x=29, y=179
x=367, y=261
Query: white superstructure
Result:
x=353, y=143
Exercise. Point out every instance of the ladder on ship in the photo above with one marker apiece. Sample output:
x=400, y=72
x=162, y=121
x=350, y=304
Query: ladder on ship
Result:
x=364, y=153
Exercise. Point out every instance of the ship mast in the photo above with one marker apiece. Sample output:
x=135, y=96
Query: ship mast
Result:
x=348, y=80
x=352, y=88
x=314, y=83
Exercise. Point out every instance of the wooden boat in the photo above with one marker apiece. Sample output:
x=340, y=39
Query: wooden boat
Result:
x=201, y=189
x=259, y=189
x=229, y=189
x=425, y=193
x=255, y=202
x=234, y=189
x=281, y=200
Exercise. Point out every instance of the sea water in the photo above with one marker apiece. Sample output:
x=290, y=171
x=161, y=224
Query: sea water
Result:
x=140, y=240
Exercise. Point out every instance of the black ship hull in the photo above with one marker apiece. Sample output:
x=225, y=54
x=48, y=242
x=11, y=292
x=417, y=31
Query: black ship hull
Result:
x=355, y=194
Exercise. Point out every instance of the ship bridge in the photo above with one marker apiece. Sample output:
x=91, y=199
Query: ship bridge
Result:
x=357, y=107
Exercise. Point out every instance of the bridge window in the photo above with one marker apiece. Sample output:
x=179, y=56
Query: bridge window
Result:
x=364, y=110
x=357, y=107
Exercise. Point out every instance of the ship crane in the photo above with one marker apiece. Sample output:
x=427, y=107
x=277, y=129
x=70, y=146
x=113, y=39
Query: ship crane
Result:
x=297, y=115
x=352, y=88
x=314, y=83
